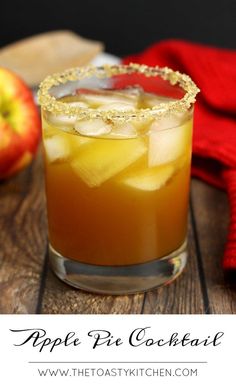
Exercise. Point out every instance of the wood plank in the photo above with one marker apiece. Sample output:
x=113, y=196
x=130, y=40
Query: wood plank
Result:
x=184, y=295
x=60, y=298
x=22, y=239
x=212, y=215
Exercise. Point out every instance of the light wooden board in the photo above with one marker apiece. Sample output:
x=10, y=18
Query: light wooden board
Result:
x=36, y=57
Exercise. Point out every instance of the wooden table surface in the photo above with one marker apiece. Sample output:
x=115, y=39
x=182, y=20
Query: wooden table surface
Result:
x=27, y=284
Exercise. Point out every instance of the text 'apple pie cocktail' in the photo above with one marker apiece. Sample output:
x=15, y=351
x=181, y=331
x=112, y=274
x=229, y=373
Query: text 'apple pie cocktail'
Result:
x=117, y=149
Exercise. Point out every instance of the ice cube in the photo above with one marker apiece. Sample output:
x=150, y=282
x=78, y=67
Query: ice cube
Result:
x=73, y=100
x=167, y=145
x=56, y=148
x=93, y=127
x=98, y=97
x=174, y=120
x=116, y=107
x=62, y=120
x=152, y=100
x=149, y=179
x=125, y=130
x=103, y=159
x=66, y=120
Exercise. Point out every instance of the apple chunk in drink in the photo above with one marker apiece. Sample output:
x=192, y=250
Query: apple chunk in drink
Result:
x=117, y=167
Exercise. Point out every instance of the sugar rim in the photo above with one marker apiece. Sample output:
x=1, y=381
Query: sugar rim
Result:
x=51, y=104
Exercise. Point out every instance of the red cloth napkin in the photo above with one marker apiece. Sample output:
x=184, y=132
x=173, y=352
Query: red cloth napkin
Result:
x=214, y=138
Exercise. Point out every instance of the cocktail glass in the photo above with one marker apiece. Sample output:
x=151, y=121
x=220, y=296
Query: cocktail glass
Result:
x=117, y=150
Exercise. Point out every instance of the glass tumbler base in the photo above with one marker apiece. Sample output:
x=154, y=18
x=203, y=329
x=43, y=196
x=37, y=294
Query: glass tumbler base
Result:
x=119, y=279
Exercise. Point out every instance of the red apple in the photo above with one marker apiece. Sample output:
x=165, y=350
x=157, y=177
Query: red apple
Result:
x=20, y=128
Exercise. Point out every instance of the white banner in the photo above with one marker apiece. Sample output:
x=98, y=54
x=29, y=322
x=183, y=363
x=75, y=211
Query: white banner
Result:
x=127, y=349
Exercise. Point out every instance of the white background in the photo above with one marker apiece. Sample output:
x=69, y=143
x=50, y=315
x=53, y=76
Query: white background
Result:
x=15, y=364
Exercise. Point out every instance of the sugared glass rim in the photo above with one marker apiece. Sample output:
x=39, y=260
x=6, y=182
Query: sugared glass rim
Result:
x=51, y=104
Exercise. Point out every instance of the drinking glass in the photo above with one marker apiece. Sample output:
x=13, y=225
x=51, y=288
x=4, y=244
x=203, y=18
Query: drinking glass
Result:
x=117, y=154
